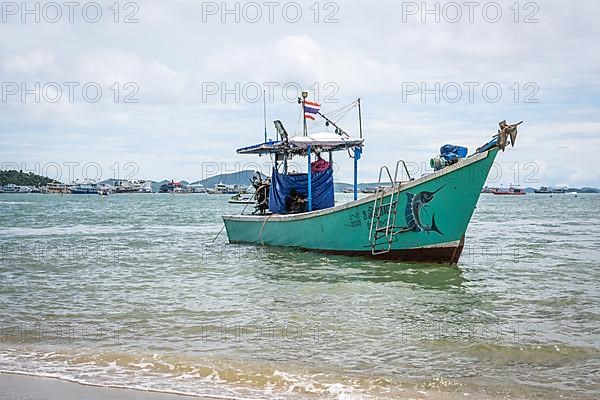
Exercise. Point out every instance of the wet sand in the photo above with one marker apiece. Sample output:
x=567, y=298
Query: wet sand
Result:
x=26, y=387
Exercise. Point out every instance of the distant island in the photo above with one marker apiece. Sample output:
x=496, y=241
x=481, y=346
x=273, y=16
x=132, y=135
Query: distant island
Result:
x=21, y=178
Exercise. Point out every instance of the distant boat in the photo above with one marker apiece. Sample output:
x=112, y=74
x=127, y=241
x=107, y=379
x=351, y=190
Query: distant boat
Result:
x=104, y=190
x=197, y=188
x=546, y=190
x=349, y=190
x=55, y=188
x=511, y=191
x=131, y=186
x=169, y=187
x=221, y=188
x=84, y=188
x=12, y=188
x=146, y=187
x=242, y=199
x=180, y=190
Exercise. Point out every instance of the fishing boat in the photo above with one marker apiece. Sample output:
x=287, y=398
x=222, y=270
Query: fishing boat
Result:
x=511, y=191
x=422, y=219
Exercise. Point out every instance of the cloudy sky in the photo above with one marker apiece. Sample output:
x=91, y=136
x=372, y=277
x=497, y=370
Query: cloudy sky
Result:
x=169, y=89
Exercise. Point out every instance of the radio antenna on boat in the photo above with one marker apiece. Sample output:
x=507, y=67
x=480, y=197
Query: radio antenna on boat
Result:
x=359, y=118
x=265, y=112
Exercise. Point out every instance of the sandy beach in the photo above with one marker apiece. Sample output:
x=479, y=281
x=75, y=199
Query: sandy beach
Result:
x=26, y=387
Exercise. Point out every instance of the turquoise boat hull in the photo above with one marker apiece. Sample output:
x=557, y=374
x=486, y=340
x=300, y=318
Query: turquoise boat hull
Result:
x=432, y=216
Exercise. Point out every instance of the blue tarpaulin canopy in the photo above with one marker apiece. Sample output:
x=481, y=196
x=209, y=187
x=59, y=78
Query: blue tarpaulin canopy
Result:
x=323, y=141
x=282, y=185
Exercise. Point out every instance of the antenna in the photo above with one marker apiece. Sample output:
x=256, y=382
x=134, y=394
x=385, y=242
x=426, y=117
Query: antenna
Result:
x=265, y=113
x=359, y=118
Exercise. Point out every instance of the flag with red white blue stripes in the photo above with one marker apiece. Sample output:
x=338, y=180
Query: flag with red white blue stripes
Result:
x=311, y=109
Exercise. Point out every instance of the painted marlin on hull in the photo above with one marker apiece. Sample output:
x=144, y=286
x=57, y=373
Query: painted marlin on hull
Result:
x=413, y=212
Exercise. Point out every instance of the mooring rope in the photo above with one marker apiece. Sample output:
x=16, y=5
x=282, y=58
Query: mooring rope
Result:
x=262, y=242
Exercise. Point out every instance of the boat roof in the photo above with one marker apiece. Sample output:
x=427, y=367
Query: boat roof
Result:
x=323, y=141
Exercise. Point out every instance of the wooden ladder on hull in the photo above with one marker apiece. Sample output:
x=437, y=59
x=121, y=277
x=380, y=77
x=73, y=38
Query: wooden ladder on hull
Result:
x=384, y=228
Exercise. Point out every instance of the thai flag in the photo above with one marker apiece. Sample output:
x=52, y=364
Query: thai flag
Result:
x=310, y=109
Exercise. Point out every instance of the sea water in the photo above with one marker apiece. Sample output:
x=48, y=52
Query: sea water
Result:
x=131, y=291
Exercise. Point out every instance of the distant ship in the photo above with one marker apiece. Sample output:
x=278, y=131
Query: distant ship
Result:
x=84, y=188
x=55, y=188
x=12, y=188
x=511, y=191
x=127, y=186
x=546, y=190
x=169, y=187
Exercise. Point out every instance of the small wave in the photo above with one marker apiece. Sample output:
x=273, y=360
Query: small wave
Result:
x=183, y=375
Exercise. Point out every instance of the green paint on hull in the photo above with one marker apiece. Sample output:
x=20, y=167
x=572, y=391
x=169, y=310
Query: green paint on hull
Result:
x=449, y=196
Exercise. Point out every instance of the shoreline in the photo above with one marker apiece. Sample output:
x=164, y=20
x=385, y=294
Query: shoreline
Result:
x=23, y=386
x=27, y=386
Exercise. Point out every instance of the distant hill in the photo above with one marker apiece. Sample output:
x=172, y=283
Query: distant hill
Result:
x=21, y=178
x=235, y=178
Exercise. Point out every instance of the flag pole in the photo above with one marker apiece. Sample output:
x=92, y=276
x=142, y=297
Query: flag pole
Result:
x=304, y=96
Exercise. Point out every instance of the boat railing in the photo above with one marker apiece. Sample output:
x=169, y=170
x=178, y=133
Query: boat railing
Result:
x=405, y=169
x=394, y=180
x=389, y=174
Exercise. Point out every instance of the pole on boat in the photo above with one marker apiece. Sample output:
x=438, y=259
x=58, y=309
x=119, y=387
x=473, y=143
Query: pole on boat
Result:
x=304, y=96
x=309, y=180
x=265, y=112
x=359, y=120
x=355, y=175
